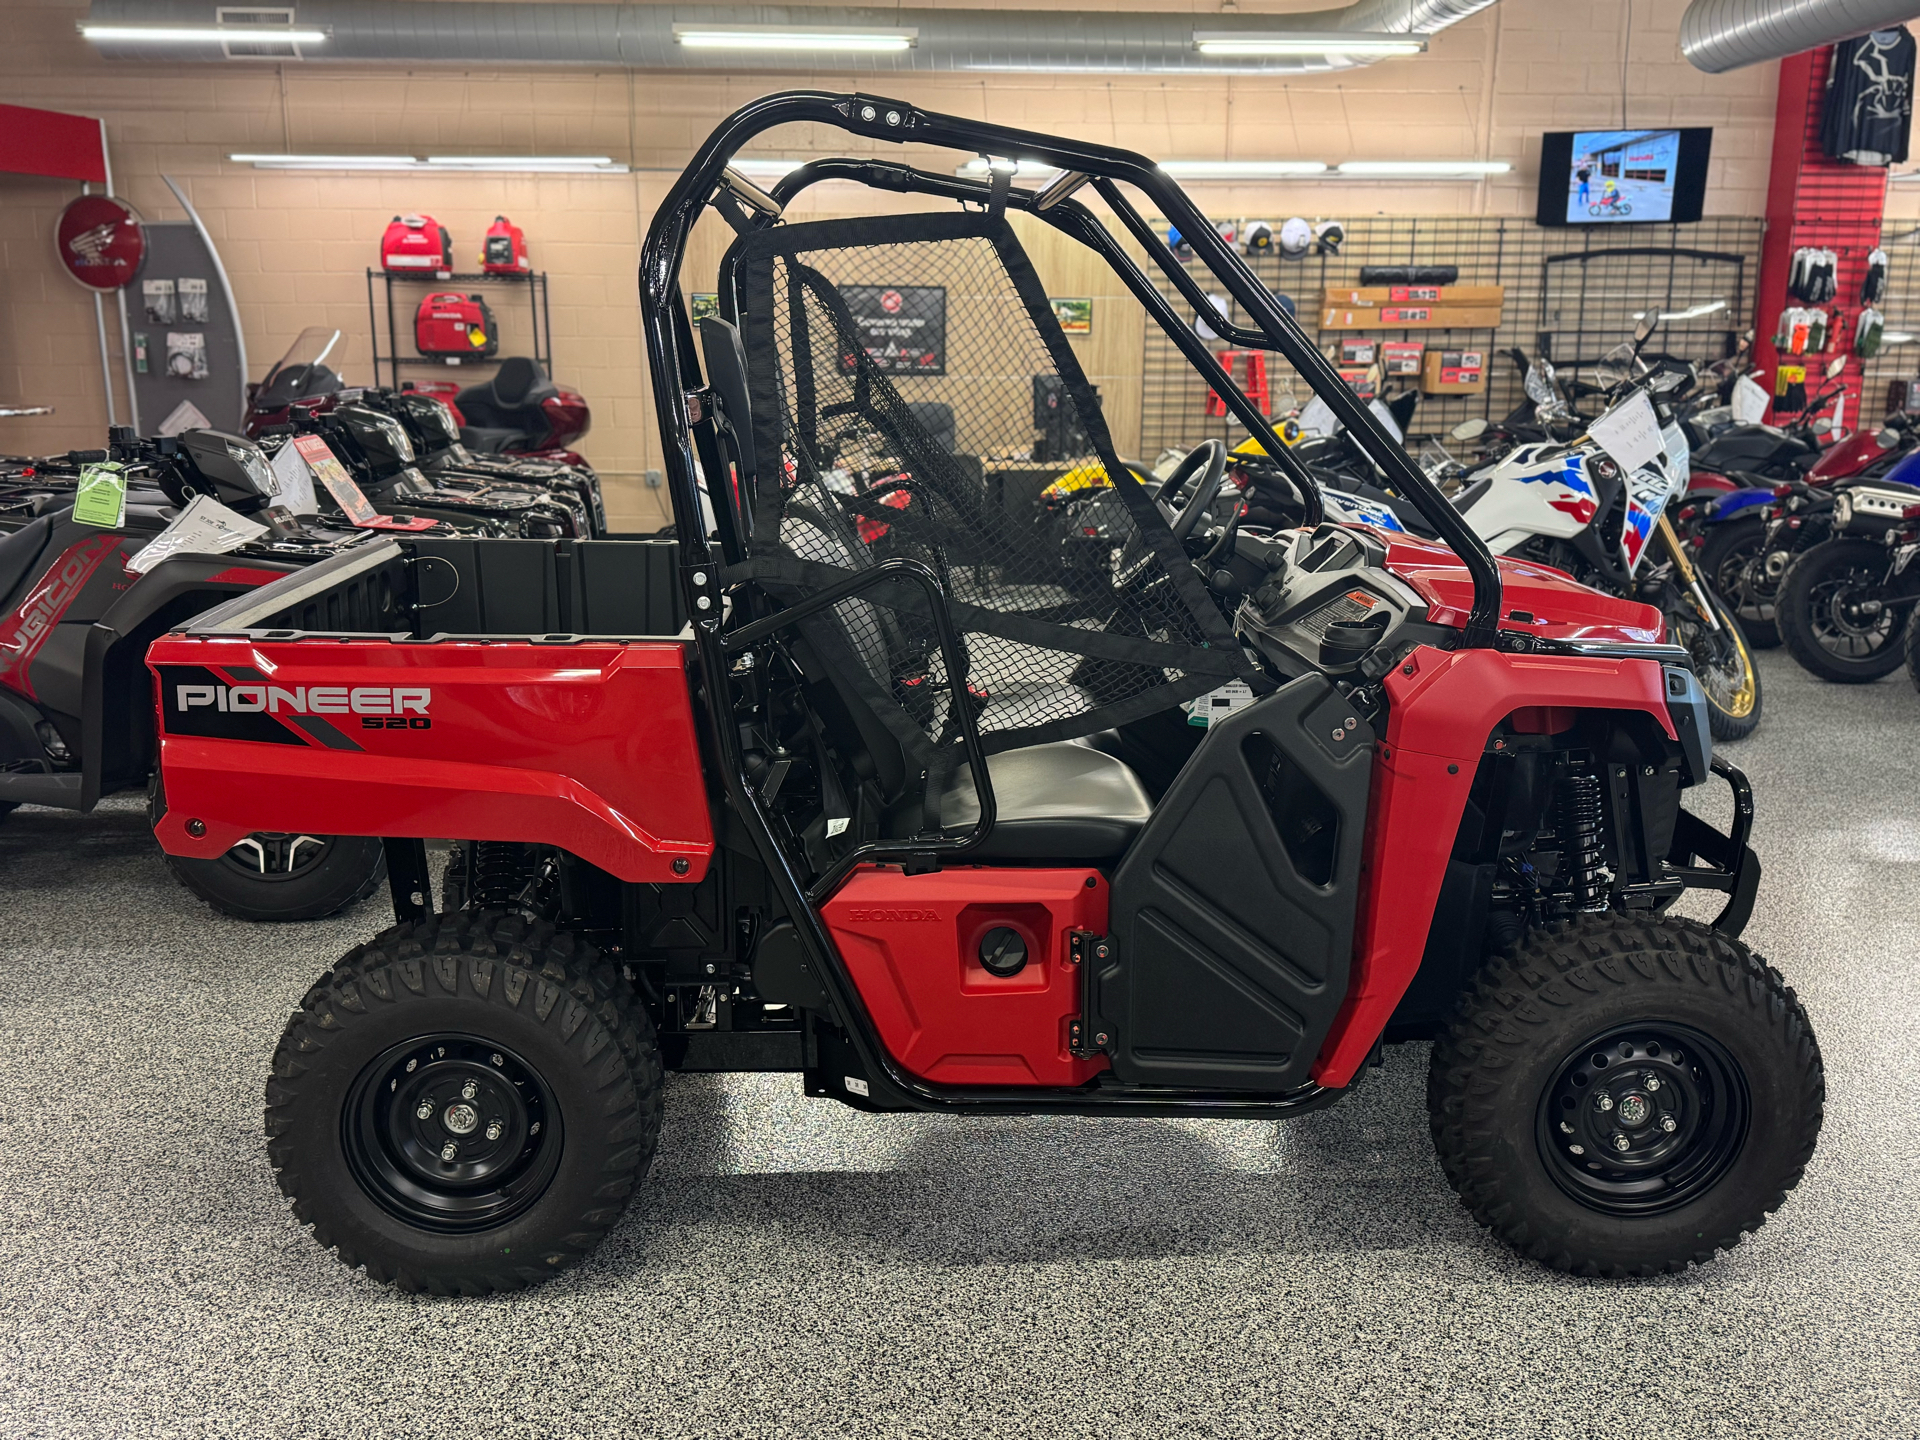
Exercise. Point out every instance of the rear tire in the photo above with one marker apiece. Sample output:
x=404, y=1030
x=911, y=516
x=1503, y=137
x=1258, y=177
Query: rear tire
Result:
x=1911, y=648
x=1817, y=619
x=1514, y=1089
x=1731, y=560
x=465, y=1104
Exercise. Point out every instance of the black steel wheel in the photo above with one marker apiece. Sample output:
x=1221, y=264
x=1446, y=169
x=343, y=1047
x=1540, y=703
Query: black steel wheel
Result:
x=465, y=1104
x=1837, y=614
x=1734, y=560
x=451, y=1132
x=1670, y=1022
x=1643, y=1118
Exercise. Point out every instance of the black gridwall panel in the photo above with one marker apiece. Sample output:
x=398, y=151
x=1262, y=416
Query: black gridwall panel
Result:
x=1577, y=309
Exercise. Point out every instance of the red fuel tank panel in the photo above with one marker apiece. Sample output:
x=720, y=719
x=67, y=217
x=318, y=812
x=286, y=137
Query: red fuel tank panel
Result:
x=913, y=946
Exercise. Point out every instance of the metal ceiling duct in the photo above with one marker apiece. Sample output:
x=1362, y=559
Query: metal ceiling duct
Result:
x=1718, y=35
x=644, y=36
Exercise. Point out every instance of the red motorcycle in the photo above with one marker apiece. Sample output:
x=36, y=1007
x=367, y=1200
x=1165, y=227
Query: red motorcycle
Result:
x=518, y=412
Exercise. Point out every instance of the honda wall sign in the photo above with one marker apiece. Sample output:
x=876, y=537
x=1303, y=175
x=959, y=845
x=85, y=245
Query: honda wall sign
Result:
x=101, y=242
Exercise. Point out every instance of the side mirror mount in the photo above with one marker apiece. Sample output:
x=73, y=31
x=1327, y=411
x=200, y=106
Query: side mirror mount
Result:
x=1644, y=327
x=1822, y=426
x=1837, y=365
x=1471, y=429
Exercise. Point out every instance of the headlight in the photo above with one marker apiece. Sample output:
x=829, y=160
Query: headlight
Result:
x=1843, y=510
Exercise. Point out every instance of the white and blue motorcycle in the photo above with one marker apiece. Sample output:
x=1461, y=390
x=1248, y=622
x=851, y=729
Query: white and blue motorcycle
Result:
x=1595, y=507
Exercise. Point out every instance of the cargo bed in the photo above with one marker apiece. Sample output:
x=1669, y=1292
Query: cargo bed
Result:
x=496, y=690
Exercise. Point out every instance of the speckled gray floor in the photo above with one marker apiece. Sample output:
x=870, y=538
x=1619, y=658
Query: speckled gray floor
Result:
x=796, y=1268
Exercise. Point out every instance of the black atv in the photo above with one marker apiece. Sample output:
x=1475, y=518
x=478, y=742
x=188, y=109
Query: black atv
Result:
x=376, y=451
x=76, y=702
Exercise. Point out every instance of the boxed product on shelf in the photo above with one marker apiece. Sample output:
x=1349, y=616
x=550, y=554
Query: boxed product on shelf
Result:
x=1411, y=317
x=1402, y=357
x=1360, y=380
x=1454, y=372
x=1414, y=295
x=1358, y=350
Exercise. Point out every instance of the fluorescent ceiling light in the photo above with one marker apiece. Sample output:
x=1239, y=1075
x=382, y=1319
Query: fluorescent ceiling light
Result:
x=444, y=164
x=1304, y=42
x=202, y=34
x=561, y=164
x=1240, y=169
x=763, y=169
x=329, y=162
x=1423, y=169
x=793, y=37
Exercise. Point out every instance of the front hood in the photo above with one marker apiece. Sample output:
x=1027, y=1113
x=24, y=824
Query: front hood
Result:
x=1556, y=605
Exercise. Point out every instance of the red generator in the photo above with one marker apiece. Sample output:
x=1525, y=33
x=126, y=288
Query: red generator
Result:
x=419, y=244
x=455, y=326
x=503, y=251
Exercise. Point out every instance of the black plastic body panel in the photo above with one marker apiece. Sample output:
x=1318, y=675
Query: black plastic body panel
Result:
x=1232, y=915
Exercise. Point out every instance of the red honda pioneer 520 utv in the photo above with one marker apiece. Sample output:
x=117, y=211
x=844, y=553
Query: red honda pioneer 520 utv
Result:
x=833, y=785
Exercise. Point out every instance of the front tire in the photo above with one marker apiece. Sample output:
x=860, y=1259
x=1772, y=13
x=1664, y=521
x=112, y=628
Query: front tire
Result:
x=1822, y=618
x=1711, y=1077
x=465, y=1104
x=1734, y=562
x=1722, y=663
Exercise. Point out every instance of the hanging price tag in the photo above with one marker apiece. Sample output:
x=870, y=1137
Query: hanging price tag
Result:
x=1630, y=432
x=102, y=497
x=347, y=495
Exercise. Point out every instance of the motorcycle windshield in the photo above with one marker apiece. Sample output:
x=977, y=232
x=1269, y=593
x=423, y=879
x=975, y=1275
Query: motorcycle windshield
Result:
x=302, y=372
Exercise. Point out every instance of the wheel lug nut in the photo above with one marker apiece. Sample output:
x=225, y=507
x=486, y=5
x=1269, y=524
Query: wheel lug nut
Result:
x=1578, y=1150
x=494, y=1128
x=469, y=1091
x=449, y=1151
x=1668, y=1123
x=1603, y=1101
x=1651, y=1081
x=1621, y=1142
x=1566, y=1129
x=423, y=1111
x=498, y=1059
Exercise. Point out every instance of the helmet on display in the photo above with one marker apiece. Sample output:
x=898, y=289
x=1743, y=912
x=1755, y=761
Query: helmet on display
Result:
x=1179, y=246
x=1227, y=231
x=1295, y=238
x=1328, y=235
x=1201, y=327
x=1257, y=237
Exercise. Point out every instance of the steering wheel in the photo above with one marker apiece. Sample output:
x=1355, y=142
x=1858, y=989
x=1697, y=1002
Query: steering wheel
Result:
x=1210, y=458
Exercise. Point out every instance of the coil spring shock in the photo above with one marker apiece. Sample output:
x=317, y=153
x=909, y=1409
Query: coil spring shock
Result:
x=499, y=871
x=1579, y=823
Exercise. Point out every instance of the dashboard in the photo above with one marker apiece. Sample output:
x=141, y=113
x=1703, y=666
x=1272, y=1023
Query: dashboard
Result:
x=1328, y=600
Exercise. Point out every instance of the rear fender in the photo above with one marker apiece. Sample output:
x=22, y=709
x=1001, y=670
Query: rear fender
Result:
x=1444, y=706
x=588, y=746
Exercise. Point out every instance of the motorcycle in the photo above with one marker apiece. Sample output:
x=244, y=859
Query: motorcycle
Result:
x=1845, y=604
x=76, y=702
x=1574, y=506
x=1752, y=536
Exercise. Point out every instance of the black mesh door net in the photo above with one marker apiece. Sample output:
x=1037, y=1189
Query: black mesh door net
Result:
x=898, y=367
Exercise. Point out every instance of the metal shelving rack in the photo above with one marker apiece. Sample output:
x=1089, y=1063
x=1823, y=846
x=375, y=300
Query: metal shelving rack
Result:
x=535, y=283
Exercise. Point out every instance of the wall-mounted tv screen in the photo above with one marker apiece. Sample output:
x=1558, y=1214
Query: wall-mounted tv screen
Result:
x=1623, y=177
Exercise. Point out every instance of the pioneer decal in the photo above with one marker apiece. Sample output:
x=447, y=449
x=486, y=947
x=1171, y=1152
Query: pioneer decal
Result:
x=24, y=631
x=239, y=703
x=361, y=700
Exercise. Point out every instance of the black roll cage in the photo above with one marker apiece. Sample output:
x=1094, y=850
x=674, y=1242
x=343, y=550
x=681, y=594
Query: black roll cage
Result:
x=679, y=403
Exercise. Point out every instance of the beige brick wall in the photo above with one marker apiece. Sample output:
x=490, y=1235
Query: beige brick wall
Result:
x=296, y=245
